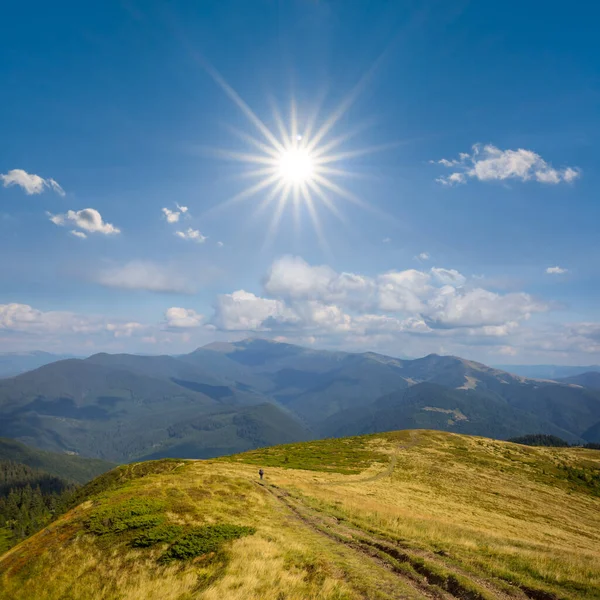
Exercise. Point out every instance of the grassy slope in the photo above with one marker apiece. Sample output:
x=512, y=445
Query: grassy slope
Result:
x=66, y=466
x=399, y=515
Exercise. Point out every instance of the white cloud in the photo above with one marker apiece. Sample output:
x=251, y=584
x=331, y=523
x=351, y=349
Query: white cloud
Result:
x=556, y=270
x=125, y=329
x=243, y=311
x=30, y=183
x=191, y=234
x=143, y=275
x=88, y=219
x=78, y=234
x=183, y=317
x=507, y=351
x=303, y=299
x=172, y=216
x=23, y=318
x=423, y=256
x=451, y=307
x=489, y=163
x=403, y=291
x=448, y=276
x=220, y=244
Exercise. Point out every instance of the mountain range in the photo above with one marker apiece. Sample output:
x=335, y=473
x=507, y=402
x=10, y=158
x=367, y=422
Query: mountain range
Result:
x=13, y=363
x=548, y=371
x=230, y=397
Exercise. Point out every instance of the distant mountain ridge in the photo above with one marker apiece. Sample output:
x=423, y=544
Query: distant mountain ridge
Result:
x=548, y=371
x=13, y=363
x=588, y=379
x=231, y=397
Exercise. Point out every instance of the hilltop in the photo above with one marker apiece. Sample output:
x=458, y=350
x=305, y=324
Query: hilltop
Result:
x=410, y=514
x=231, y=397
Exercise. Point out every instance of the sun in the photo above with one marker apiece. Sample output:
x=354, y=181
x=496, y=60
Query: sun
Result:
x=296, y=166
x=298, y=162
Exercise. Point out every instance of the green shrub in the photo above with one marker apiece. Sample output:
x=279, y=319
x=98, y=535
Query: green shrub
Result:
x=164, y=533
x=204, y=540
x=136, y=513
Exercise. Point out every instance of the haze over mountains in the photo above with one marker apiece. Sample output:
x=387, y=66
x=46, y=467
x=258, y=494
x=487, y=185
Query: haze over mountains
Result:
x=548, y=371
x=230, y=397
x=13, y=363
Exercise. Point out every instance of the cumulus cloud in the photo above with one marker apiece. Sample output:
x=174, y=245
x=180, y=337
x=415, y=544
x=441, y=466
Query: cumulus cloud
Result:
x=172, y=216
x=302, y=299
x=449, y=307
x=423, y=256
x=88, y=219
x=31, y=184
x=183, y=317
x=143, y=275
x=23, y=318
x=448, y=276
x=243, y=311
x=78, y=234
x=489, y=163
x=191, y=234
x=556, y=270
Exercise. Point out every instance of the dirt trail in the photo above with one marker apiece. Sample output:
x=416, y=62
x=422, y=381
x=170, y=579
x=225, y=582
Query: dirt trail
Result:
x=415, y=583
x=428, y=574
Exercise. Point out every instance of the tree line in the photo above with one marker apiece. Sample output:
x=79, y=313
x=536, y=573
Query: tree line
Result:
x=542, y=439
x=29, y=499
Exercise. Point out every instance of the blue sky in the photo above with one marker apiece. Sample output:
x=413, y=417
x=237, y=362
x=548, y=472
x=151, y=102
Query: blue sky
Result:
x=118, y=107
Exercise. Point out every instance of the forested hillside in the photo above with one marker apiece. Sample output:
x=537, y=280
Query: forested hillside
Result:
x=29, y=499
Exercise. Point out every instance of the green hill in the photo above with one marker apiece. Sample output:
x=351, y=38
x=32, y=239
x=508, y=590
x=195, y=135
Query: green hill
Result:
x=410, y=514
x=68, y=467
x=34, y=483
x=123, y=407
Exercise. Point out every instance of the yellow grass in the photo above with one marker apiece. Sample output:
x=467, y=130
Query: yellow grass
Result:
x=501, y=519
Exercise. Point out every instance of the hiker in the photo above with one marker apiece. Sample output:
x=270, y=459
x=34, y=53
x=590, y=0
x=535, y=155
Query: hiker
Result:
x=261, y=473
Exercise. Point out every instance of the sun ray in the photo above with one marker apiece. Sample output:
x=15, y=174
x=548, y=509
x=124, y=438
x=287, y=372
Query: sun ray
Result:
x=340, y=172
x=327, y=202
x=276, y=189
x=258, y=172
x=298, y=168
x=340, y=139
x=314, y=217
x=287, y=142
x=276, y=218
x=294, y=121
x=313, y=116
x=245, y=157
x=247, y=193
x=355, y=153
x=244, y=107
x=254, y=142
x=340, y=191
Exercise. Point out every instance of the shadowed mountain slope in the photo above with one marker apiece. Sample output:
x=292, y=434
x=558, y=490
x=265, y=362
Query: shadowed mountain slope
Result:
x=124, y=407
